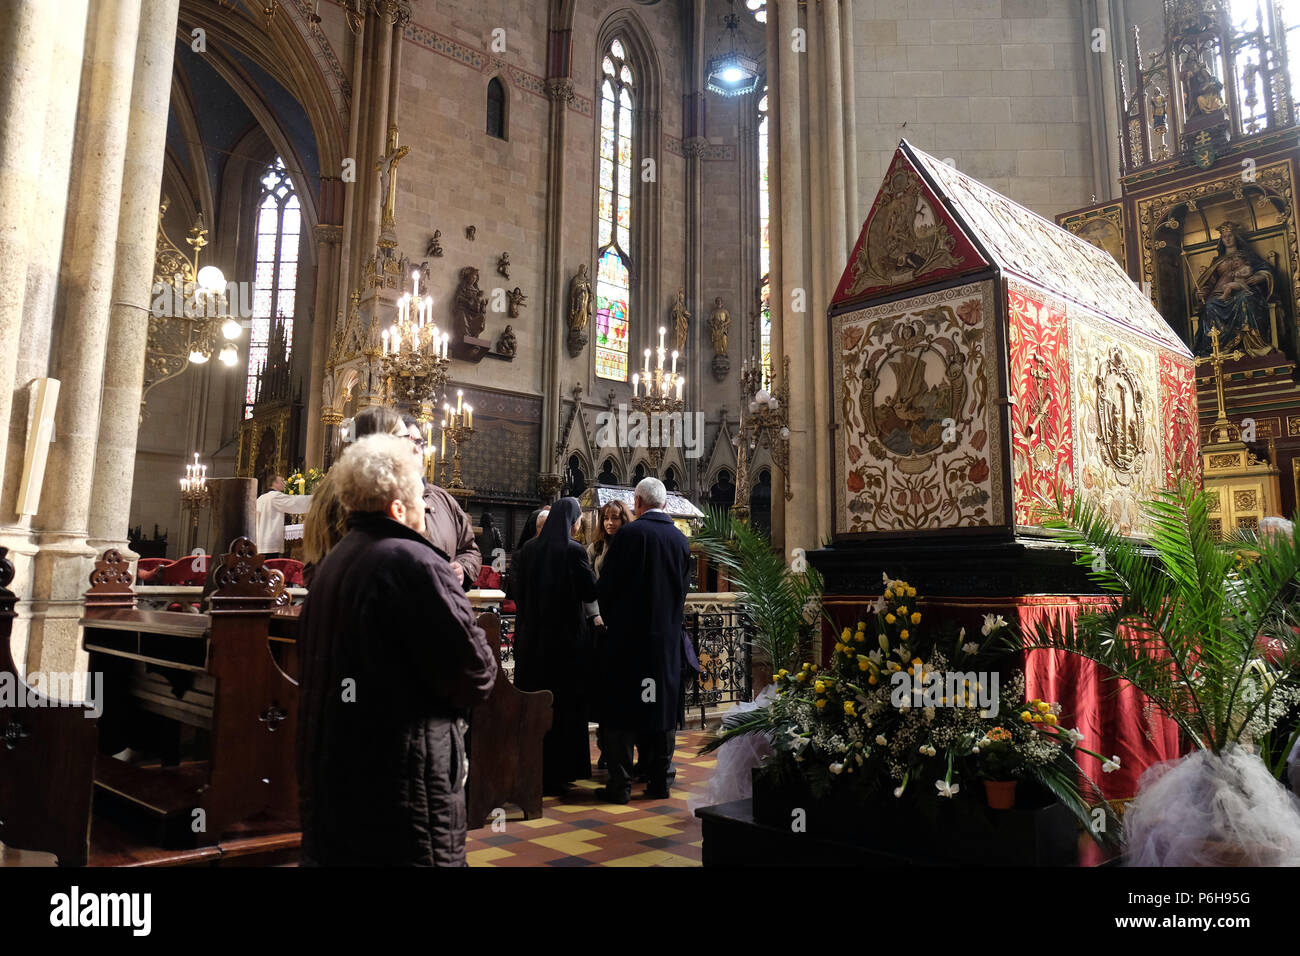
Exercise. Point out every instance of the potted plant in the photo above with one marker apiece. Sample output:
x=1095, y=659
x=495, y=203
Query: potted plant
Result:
x=999, y=765
x=1203, y=628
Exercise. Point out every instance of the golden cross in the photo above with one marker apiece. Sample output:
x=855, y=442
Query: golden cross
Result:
x=387, y=169
x=1216, y=360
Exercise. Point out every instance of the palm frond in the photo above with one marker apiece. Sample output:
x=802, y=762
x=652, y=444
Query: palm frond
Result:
x=738, y=725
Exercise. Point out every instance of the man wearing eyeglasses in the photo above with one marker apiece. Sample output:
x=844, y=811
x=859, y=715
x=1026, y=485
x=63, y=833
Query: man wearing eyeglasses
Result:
x=445, y=522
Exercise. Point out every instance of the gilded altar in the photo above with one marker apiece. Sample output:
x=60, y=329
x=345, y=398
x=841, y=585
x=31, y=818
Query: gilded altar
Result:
x=1207, y=225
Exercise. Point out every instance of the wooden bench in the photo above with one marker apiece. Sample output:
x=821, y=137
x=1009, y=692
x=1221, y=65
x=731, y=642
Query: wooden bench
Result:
x=209, y=716
x=46, y=751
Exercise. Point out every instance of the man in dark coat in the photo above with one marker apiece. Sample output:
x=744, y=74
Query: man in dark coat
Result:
x=445, y=521
x=642, y=595
x=391, y=660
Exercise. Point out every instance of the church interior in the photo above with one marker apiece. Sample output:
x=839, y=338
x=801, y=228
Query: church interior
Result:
x=867, y=282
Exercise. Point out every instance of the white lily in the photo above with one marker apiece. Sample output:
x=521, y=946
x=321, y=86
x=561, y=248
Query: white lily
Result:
x=1074, y=737
x=970, y=647
x=1110, y=766
x=875, y=656
x=837, y=768
x=879, y=606
x=991, y=623
x=947, y=789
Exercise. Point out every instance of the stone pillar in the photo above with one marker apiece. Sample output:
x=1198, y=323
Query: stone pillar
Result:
x=850, y=113
x=328, y=268
x=800, y=513
x=86, y=280
x=137, y=230
x=233, y=512
x=377, y=97
x=775, y=196
x=836, y=181
x=820, y=176
x=559, y=87
x=354, y=191
x=27, y=39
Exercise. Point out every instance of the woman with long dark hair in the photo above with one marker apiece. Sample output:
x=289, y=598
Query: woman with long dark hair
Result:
x=551, y=581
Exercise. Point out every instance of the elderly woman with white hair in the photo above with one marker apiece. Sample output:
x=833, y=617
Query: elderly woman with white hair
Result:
x=392, y=660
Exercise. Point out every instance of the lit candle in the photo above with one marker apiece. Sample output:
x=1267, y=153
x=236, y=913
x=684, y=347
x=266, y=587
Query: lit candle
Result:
x=385, y=341
x=444, y=439
x=469, y=416
x=635, y=379
x=185, y=485
x=445, y=338
x=662, y=332
x=460, y=398
x=647, y=363
x=674, y=361
x=681, y=382
x=415, y=282
x=301, y=485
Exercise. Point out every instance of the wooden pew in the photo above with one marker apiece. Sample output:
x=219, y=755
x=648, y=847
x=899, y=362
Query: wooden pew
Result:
x=205, y=692
x=506, y=731
x=46, y=752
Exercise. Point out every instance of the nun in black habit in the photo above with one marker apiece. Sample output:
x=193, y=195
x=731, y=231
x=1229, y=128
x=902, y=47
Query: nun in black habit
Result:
x=551, y=581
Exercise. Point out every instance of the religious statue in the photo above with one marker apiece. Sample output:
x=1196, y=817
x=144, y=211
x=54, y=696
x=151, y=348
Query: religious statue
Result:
x=387, y=169
x=470, y=231
x=719, y=325
x=579, y=300
x=434, y=248
x=1159, y=111
x=1235, y=289
x=517, y=301
x=681, y=320
x=1204, y=91
x=470, y=305
x=503, y=264
x=507, y=345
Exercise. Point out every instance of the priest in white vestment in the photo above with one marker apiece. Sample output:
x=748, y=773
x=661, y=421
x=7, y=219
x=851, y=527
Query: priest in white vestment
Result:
x=271, y=509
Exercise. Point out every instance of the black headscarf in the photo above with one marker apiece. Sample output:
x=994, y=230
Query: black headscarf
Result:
x=530, y=528
x=555, y=536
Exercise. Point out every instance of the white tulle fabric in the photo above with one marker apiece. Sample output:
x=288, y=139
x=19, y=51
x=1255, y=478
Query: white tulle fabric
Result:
x=731, y=778
x=1212, y=810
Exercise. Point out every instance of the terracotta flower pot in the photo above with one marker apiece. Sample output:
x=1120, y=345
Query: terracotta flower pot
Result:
x=1001, y=794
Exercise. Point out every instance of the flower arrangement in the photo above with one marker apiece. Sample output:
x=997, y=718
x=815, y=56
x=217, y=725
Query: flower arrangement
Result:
x=900, y=710
x=303, y=482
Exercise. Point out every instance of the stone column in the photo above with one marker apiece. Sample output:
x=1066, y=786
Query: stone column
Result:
x=850, y=114
x=81, y=337
x=137, y=230
x=836, y=181
x=800, y=513
x=386, y=14
x=777, y=243
x=820, y=177
x=27, y=38
x=328, y=266
x=354, y=191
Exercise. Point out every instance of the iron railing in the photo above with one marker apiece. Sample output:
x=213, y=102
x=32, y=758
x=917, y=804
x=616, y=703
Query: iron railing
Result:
x=722, y=644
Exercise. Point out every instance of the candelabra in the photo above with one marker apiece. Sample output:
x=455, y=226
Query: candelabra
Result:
x=763, y=423
x=662, y=393
x=457, y=425
x=194, y=491
x=415, y=356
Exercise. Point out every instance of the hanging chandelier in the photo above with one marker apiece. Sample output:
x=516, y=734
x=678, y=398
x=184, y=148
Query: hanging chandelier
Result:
x=191, y=311
x=735, y=72
x=415, y=356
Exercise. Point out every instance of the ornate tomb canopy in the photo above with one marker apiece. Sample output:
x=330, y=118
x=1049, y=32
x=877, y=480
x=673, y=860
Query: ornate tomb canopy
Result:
x=983, y=357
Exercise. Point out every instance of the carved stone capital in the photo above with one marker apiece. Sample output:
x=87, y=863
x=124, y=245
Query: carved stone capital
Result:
x=560, y=89
x=577, y=342
x=328, y=233
x=386, y=10
x=694, y=146
x=548, y=486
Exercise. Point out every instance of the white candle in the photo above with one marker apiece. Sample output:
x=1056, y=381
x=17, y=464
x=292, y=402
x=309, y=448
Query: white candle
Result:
x=460, y=398
x=647, y=363
x=681, y=382
x=385, y=341
x=674, y=361
x=415, y=282
x=444, y=439
x=469, y=416
x=635, y=379
x=662, y=332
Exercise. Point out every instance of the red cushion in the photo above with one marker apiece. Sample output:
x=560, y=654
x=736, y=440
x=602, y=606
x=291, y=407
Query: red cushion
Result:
x=189, y=571
x=290, y=568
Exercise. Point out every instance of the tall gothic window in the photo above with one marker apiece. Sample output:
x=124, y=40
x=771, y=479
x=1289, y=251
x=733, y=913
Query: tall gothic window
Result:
x=279, y=220
x=764, y=243
x=496, y=108
x=614, y=215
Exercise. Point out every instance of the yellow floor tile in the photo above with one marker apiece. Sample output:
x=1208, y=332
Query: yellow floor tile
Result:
x=572, y=843
x=486, y=855
x=655, y=828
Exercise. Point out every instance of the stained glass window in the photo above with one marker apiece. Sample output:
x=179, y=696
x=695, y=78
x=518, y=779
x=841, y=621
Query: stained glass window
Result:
x=764, y=244
x=275, y=276
x=614, y=215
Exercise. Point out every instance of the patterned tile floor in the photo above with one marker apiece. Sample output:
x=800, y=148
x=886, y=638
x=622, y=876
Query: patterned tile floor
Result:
x=582, y=830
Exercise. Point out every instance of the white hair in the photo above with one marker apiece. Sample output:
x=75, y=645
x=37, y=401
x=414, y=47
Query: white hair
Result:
x=377, y=470
x=652, y=492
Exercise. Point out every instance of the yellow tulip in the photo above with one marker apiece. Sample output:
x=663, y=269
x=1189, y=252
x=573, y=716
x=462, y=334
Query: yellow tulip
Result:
x=848, y=707
x=1025, y=716
x=1044, y=706
x=903, y=610
x=814, y=668
x=909, y=670
x=863, y=665
x=1049, y=719
x=889, y=619
x=916, y=617
x=844, y=636
x=821, y=704
x=911, y=592
x=860, y=637
x=801, y=676
x=873, y=679
x=903, y=634
x=820, y=687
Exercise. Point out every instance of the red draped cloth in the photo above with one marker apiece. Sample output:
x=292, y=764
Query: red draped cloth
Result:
x=1114, y=718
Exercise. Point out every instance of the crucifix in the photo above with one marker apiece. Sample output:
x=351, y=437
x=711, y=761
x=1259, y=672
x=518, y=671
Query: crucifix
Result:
x=387, y=169
x=1216, y=360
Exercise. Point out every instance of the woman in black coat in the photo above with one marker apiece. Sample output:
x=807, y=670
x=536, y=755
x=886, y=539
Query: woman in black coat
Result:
x=552, y=579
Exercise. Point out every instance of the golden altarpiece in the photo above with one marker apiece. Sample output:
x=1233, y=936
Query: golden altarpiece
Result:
x=1207, y=224
x=268, y=438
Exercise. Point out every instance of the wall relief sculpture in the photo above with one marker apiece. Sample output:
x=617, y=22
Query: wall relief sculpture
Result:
x=469, y=308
